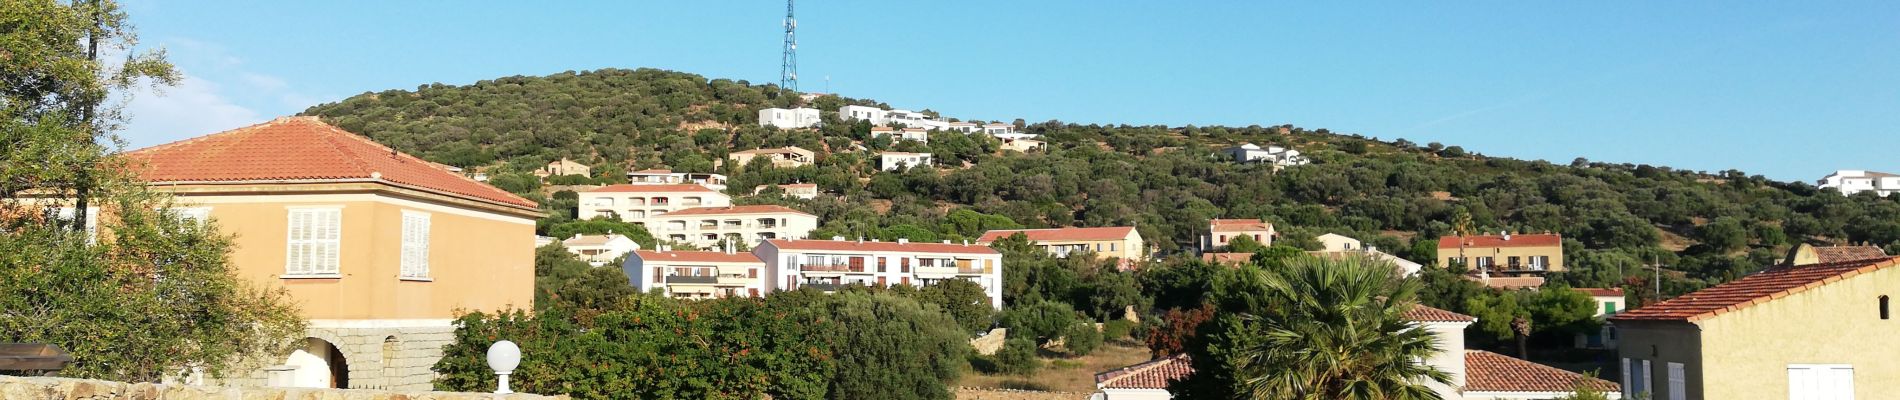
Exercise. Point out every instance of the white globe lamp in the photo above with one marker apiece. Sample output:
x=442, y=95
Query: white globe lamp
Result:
x=503, y=357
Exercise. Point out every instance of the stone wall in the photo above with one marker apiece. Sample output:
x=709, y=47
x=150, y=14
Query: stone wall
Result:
x=967, y=393
x=385, y=358
x=23, y=388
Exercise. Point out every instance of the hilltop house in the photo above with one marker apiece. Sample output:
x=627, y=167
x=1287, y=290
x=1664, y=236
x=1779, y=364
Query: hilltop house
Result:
x=709, y=227
x=1021, y=143
x=1808, y=329
x=564, y=167
x=880, y=117
x=636, y=203
x=1608, y=301
x=696, y=274
x=918, y=135
x=665, y=177
x=998, y=129
x=830, y=264
x=1475, y=374
x=963, y=127
x=1338, y=242
x=895, y=160
x=1222, y=231
x=1276, y=155
x=800, y=190
x=378, y=249
x=796, y=118
x=1851, y=181
x=598, y=250
x=783, y=157
x=1117, y=242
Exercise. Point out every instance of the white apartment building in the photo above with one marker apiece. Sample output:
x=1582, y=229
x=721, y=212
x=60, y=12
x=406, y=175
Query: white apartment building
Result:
x=696, y=274
x=964, y=127
x=881, y=117
x=598, y=250
x=636, y=203
x=892, y=160
x=664, y=176
x=789, y=119
x=912, y=134
x=1276, y=155
x=1851, y=181
x=709, y=227
x=830, y=264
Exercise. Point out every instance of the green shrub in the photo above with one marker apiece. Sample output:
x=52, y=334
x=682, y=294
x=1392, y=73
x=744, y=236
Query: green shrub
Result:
x=1117, y=329
x=1017, y=357
x=1082, y=339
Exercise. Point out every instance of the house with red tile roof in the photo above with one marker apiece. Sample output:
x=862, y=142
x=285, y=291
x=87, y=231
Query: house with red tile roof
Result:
x=1476, y=374
x=1110, y=242
x=380, y=250
x=831, y=264
x=1821, y=330
x=1221, y=231
x=1505, y=254
x=1609, y=301
x=696, y=274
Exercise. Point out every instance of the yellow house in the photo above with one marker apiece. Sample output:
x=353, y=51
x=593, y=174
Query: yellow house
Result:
x=1803, y=331
x=1121, y=242
x=1506, y=254
x=378, y=248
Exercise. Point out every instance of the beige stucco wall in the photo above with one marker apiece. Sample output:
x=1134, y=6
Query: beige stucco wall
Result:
x=1128, y=248
x=1501, y=256
x=477, y=260
x=1748, y=350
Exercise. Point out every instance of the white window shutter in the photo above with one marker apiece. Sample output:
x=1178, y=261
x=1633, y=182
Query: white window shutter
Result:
x=1678, y=385
x=1626, y=376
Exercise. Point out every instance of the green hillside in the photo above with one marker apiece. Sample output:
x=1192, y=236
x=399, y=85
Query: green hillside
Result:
x=1168, y=181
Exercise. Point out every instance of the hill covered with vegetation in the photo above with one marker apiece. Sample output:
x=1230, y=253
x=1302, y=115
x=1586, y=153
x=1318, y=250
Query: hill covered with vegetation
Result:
x=1168, y=181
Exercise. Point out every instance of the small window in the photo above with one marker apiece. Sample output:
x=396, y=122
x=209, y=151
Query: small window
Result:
x=1883, y=307
x=314, y=241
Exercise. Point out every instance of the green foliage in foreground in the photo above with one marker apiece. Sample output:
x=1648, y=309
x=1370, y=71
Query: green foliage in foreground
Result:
x=791, y=345
x=1316, y=329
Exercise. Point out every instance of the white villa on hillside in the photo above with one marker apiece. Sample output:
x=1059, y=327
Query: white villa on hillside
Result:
x=880, y=117
x=998, y=129
x=663, y=177
x=830, y=264
x=893, y=160
x=1851, y=181
x=599, y=249
x=636, y=203
x=806, y=191
x=789, y=119
x=696, y=274
x=709, y=227
x=783, y=157
x=1276, y=155
x=911, y=134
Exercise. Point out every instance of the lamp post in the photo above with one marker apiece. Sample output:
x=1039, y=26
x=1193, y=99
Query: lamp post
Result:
x=503, y=357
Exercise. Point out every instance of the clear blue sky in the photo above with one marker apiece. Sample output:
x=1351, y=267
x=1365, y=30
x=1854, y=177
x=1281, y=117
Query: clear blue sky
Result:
x=1789, y=90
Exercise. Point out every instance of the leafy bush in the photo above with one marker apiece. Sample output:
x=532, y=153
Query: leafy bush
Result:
x=1117, y=329
x=1082, y=339
x=1017, y=357
x=1041, y=321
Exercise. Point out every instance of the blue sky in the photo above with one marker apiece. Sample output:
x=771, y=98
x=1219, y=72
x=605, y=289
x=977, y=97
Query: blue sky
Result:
x=1791, y=91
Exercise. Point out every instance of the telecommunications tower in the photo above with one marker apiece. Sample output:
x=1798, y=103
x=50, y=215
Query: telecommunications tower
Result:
x=788, y=69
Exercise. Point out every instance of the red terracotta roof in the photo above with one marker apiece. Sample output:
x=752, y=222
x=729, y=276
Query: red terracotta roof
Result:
x=1832, y=254
x=1601, y=292
x=303, y=149
x=1492, y=372
x=1156, y=374
x=697, y=256
x=852, y=245
x=1424, y=313
x=1761, y=287
x=1486, y=241
x=753, y=209
x=666, y=188
x=1238, y=225
x=1061, y=234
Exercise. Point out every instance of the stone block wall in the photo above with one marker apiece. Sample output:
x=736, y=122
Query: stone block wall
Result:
x=25, y=388
x=385, y=358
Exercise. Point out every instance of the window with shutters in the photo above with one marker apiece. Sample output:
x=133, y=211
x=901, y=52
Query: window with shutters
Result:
x=196, y=215
x=1627, y=383
x=1678, y=384
x=1820, y=382
x=415, y=245
x=314, y=244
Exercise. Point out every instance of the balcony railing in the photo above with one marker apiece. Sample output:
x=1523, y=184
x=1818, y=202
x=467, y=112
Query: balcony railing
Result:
x=730, y=279
x=701, y=280
x=825, y=286
x=830, y=268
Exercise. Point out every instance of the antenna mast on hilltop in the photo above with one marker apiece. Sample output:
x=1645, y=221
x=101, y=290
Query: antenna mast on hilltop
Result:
x=788, y=69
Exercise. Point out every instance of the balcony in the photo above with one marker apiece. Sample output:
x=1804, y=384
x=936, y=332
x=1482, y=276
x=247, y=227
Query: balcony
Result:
x=692, y=280
x=734, y=280
x=822, y=286
x=949, y=270
x=830, y=268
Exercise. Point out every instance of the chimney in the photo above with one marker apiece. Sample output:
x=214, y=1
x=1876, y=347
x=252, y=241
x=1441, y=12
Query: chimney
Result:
x=946, y=241
x=903, y=240
x=1506, y=234
x=577, y=236
x=837, y=238
x=966, y=242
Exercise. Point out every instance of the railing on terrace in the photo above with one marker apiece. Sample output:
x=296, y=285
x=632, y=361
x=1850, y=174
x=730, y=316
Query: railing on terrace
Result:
x=692, y=279
x=830, y=268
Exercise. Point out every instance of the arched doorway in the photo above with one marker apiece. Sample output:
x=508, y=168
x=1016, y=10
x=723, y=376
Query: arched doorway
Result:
x=318, y=364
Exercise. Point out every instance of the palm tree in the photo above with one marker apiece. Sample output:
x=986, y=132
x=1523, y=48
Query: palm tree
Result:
x=1321, y=329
